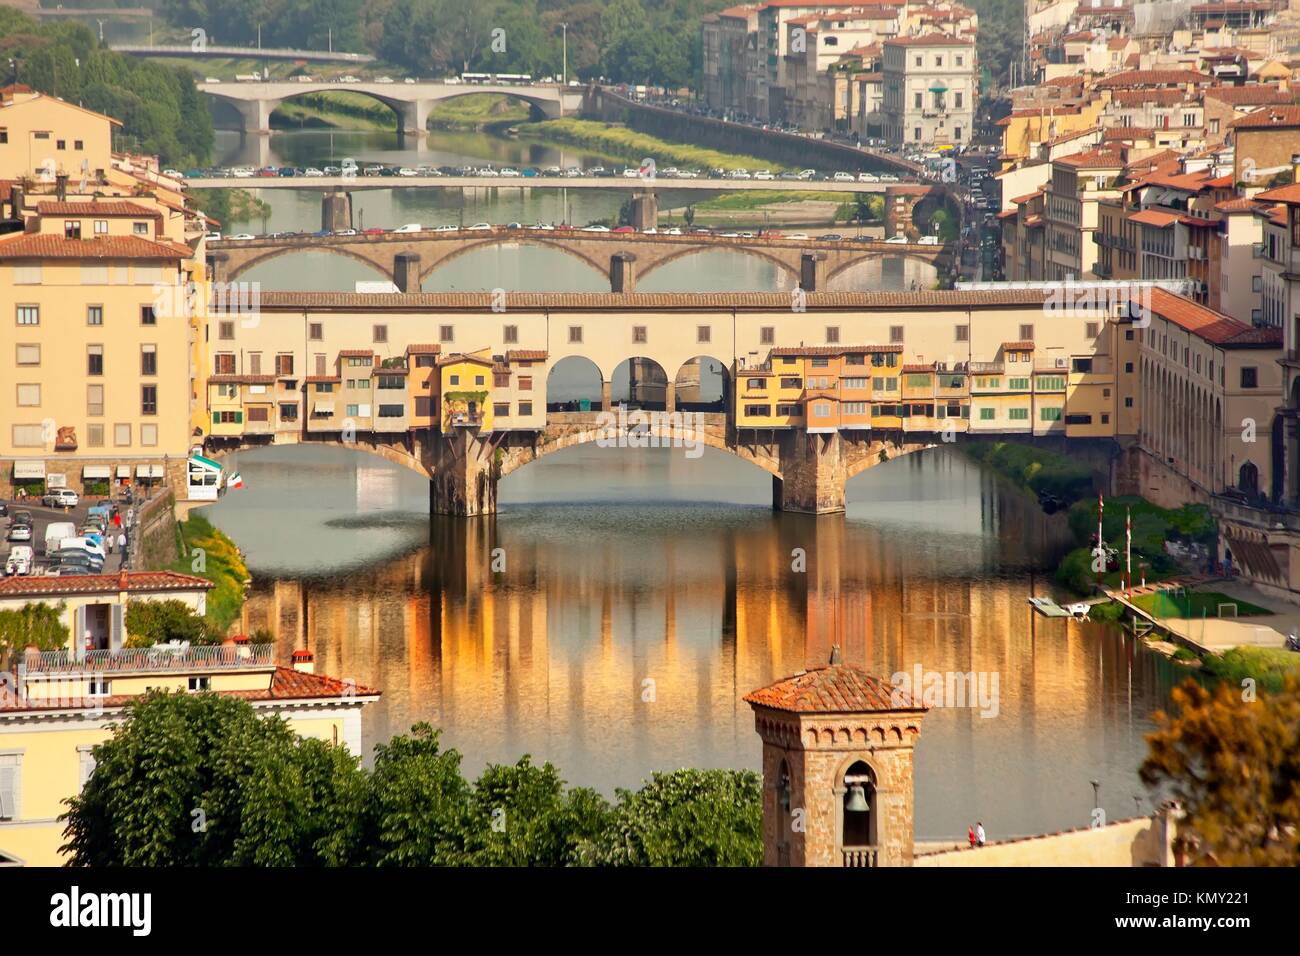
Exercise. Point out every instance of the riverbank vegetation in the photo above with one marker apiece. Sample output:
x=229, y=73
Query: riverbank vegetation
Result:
x=161, y=110
x=284, y=800
x=479, y=111
x=230, y=205
x=1034, y=469
x=631, y=146
x=333, y=111
x=207, y=553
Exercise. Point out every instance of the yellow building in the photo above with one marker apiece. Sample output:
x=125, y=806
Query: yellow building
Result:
x=466, y=390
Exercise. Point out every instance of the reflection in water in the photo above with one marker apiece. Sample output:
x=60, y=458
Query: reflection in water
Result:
x=645, y=593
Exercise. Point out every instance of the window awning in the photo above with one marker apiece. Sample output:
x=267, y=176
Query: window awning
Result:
x=149, y=471
x=29, y=469
x=124, y=471
x=205, y=464
x=95, y=471
x=323, y=408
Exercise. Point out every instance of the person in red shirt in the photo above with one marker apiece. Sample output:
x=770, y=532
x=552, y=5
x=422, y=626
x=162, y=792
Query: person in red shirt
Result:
x=970, y=835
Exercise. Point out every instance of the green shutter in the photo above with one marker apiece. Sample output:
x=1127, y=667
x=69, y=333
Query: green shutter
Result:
x=216, y=418
x=239, y=418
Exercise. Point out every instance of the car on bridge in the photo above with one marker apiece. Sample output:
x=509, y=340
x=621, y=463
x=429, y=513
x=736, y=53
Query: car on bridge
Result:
x=241, y=237
x=407, y=171
x=480, y=227
x=765, y=175
x=897, y=240
x=410, y=227
x=373, y=231
x=842, y=178
x=508, y=172
x=446, y=228
x=595, y=229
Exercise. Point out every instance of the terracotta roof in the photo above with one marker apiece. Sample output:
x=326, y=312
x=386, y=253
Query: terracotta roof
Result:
x=1289, y=194
x=455, y=357
x=526, y=355
x=317, y=379
x=423, y=349
x=1270, y=116
x=481, y=302
x=1257, y=94
x=96, y=208
x=834, y=689
x=1152, y=78
x=1160, y=97
x=931, y=39
x=1112, y=133
x=241, y=379
x=1022, y=346
x=1093, y=159
x=102, y=583
x=286, y=684
x=1154, y=217
x=1239, y=204
x=1007, y=214
x=919, y=368
x=1214, y=327
x=799, y=350
x=37, y=246
x=356, y=353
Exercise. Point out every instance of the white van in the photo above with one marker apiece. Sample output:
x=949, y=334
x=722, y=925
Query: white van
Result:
x=55, y=532
x=349, y=167
x=87, y=545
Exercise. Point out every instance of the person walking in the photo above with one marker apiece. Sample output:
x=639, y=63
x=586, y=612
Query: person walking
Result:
x=970, y=835
x=108, y=544
x=979, y=834
x=121, y=546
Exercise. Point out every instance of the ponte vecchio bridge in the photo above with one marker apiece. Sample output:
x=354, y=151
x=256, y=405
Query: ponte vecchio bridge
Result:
x=466, y=388
x=409, y=258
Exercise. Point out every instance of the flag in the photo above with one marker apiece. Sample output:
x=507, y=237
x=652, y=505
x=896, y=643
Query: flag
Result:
x=236, y=480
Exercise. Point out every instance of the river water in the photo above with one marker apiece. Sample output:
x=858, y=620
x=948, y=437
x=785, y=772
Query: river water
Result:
x=515, y=267
x=644, y=593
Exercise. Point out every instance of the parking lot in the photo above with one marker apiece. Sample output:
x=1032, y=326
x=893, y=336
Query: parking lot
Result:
x=41, y=519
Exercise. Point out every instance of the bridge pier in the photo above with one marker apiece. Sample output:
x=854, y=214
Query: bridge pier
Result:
x=645, y=211
x=336, y=211
x=406, y=272
x=466, y=468
x=622, y=272
x=218, y=267
x=414, y=116
x=812, y=271
x=813, y=474
x=256, y=114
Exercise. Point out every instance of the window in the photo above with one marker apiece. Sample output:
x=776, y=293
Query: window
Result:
x=284, y=364
x=703, y=333
x=1027, y=333
x=1054, y=415
x=288, y=411
x=147, y=316
x=1249, y=377
x=987, y=414
x=916, y=100
x=760, y=411
x=29, y=396
x=200, y=684
x=455, y=379
x=29, y=436
x=575, y=335
x=148, y=399
x=315, y=331
x=10, y=790
x=510, y=334
x=525, y=383
x=72, y=229
x=254, y=363
x=1090, y=330
x=501, y=409
x=27, y=355
x=392, y=411
x=1128, y=403
x=525, y=408
x=639, y=334
x=767, y=335
x=122, y=434
x=148, y=435
x=445, y=333
x=895, y=333
x=94, y=315
x=223, y=363
x=832, y=334
x=95, y=435
x=1081, y=365
x=963, y=333
x=352, y=411
x=29, y=315
x=94, y=400
x=227, y=418
x=76, y=144
x=1018, y=384
x=226, y=330
x=392, y=381
x=140, y=228
x=94, y=360
x=500, y=379
x=1018, y=414
x=148, y=360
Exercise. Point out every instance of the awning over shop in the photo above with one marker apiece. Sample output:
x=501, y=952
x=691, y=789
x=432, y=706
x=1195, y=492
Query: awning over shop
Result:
x=124, y=471
x=149, y=471
x=29, y=469
x=207, y=464
x=95, y=471
x=322, y=408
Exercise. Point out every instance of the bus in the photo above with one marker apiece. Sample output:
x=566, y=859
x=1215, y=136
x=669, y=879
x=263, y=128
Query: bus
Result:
x=476, y=77
x=517, y=79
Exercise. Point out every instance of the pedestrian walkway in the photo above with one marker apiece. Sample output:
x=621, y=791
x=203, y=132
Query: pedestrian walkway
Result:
x=1218, y=634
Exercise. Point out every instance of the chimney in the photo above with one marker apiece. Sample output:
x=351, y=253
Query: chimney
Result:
x=304, y=661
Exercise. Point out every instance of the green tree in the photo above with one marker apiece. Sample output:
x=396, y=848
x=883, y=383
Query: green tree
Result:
x=157, y=622
x=418, y=809
x=202, y=780
x=1234, y=765
x=686, y=818
x=39, y=625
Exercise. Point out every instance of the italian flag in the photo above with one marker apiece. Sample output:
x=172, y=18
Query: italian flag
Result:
x=236, y=480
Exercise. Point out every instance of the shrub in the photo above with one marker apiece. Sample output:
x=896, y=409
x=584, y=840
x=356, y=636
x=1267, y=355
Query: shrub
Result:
x=158, y=622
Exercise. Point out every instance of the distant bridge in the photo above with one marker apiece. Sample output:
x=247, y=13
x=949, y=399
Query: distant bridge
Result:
x=242, y=52
x=412, y=102
x=353, y=183
x=409, y=258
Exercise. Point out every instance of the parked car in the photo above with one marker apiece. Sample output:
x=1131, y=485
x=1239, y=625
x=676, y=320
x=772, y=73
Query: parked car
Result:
x=901, y=240
x=20, y=560
x=60, y=498
x=241, y=237
x=843, y=178
x=373, y=231
x=410, y=227
x=480, y=227
x=20, y=532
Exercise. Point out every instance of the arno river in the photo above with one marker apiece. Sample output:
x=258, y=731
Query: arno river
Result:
x=644, y=593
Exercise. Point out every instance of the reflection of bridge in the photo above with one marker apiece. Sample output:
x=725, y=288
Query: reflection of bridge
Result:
x=409, y=258
x=412, y=102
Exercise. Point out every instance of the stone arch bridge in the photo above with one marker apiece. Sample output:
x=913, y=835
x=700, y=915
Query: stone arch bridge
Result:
x=409, y=258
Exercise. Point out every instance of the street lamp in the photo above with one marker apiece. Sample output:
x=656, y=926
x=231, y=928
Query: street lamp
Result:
x=564, y=44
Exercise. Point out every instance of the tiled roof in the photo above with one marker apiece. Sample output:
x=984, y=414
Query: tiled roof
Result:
x=481, y=302
x=286, y=684
x=1024, y=345
x=1152, y=78
x=834, y=689
x=317, y=379
x=1093, y=159
x=1270, y=116
x=526, y=355
x=1158, y=97
x=919, y=368
x=96, y=208
x=38, y=246
x=1289, y=194
x=1258, y=94
x=241, y=379
x=1239, y=204
x=798, y=350
x=1154, y=217
x=456, y=357
x=932, y=39
x=356, y=353
x=102, y=583
x=1127, y=132
x=1214, y=327
x=424, y=349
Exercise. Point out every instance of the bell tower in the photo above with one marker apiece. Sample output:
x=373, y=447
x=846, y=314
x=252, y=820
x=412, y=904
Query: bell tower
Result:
x=837, y=768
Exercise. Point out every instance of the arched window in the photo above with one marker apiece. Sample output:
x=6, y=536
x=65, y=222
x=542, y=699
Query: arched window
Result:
x=859, y=807
x=1248, y=478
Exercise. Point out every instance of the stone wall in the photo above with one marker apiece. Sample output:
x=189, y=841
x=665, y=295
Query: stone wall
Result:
x=72, y=470
x=1142, y=841
x=155, y=544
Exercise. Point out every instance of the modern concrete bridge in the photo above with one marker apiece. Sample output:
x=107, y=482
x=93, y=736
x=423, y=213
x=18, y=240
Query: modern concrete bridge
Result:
x=189, y=50
x=412, y=102
x=409, y=258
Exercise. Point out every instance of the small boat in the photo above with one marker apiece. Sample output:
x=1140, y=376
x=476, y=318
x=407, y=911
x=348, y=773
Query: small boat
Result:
x=512, y=131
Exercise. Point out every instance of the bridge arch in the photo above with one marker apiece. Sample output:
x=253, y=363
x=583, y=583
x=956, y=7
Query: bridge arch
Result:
x=581, y=380
x=338, y=250
x=640, y=381
x=879, y=255
x=703, y=384
x=789, y=268
x=500, y=240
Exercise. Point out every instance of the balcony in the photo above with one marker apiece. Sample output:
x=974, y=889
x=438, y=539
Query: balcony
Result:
x=164, y=657
x=861, y=856
x=465, y=419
